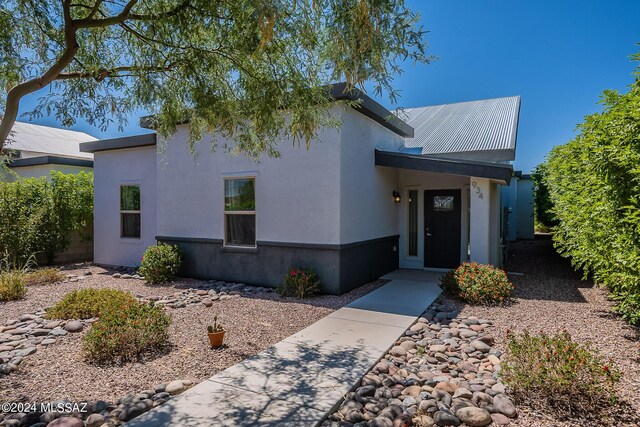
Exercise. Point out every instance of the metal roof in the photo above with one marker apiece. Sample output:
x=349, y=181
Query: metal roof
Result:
x=484, y=125
x=48, y=140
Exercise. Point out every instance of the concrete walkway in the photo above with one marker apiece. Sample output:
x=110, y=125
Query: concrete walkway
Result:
x=298, y=381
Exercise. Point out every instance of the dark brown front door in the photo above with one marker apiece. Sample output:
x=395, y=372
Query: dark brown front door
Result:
x=442, y=228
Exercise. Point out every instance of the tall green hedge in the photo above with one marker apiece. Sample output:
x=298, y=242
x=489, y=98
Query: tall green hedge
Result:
x=594, y=186
x=38, y=215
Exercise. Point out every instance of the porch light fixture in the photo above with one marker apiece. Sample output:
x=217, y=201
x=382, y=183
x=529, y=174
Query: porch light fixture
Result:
x=396, y=196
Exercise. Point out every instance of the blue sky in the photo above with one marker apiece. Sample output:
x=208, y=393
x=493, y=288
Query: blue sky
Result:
x=558, y=55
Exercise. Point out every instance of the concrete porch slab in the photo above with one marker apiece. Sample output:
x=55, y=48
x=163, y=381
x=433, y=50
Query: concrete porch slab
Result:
x=414, y=275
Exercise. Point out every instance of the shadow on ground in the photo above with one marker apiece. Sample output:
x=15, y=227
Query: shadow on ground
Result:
x=539, y=261
x=287, y=384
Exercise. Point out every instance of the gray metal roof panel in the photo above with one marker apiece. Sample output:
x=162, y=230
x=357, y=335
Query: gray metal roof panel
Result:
x=484, y=125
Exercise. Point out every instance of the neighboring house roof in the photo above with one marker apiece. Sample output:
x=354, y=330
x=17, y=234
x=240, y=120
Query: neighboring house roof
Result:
x=459, y=130
x=45, y=140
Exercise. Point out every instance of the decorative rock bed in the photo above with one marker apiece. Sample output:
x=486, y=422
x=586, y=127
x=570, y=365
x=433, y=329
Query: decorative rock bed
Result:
x=206, y=294
x=443, y=372
x=22, y=337
x=98, y=413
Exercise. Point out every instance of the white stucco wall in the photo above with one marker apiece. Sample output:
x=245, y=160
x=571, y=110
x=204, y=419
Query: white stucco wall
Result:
x=421, y=181
x=495, y=256
x=38, y=171
x=480, y=220
x=297, y=195
x=367, y=209
x=111, y=170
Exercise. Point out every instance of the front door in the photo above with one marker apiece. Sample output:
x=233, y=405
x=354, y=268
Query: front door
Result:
x=442, y=228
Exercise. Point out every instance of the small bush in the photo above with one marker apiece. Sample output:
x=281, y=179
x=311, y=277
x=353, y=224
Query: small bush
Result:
x=160, y=263
x=477, y=283
x=12, y=285
x=299, y=283
x=556, y=374
x=125, y=332
x=43, y=276
x=86, y=303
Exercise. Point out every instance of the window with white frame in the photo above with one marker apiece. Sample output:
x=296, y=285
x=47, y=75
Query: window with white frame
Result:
x=130, y=211
x=239, y=212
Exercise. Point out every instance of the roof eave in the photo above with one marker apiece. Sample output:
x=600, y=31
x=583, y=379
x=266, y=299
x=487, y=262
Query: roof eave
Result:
x=50, y=160
x=501, y=172
x=135, y=141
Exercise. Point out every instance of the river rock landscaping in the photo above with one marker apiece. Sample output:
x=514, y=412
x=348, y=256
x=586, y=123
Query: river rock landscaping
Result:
x=95, y=413
x=443, y=371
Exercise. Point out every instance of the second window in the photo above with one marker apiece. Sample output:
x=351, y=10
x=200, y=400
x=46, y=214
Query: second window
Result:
x=240, y=212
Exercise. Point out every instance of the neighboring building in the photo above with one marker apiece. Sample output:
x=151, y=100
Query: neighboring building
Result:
x=376, y=194
x=36, y=150
x=517, y=199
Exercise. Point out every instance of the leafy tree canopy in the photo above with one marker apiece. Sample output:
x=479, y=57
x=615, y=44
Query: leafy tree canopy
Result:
x=230, y=66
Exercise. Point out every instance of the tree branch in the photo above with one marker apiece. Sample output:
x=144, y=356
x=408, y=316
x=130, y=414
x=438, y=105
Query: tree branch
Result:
x=126, y=14
x=114, y=72
x=17, y=92
x=95, y=9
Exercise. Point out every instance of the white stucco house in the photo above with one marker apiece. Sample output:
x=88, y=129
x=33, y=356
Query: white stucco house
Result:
x=420, y=190
x=35, y=150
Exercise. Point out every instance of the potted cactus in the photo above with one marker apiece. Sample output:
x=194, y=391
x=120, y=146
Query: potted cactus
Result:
x=216, y=333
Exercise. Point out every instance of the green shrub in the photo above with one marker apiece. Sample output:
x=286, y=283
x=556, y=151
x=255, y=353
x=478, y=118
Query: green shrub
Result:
x=12, y=285
x=160, y=263
x=39, y=214
x=594, y=188
x=43, y=276
x=125, y=332
x=87, y=303
x=553, y=373
x=477, y=283
x=300, y=283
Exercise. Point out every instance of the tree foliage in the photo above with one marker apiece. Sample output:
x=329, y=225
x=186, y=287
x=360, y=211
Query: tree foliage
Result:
x=594, y=185
x=227, y=66
x=38, y=215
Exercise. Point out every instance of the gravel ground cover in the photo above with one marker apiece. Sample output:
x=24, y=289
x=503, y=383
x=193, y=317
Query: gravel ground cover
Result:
x=254, y=322
x=437, y=368
x=551, y=297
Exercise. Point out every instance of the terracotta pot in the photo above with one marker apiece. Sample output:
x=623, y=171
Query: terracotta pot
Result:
x=215, y=338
